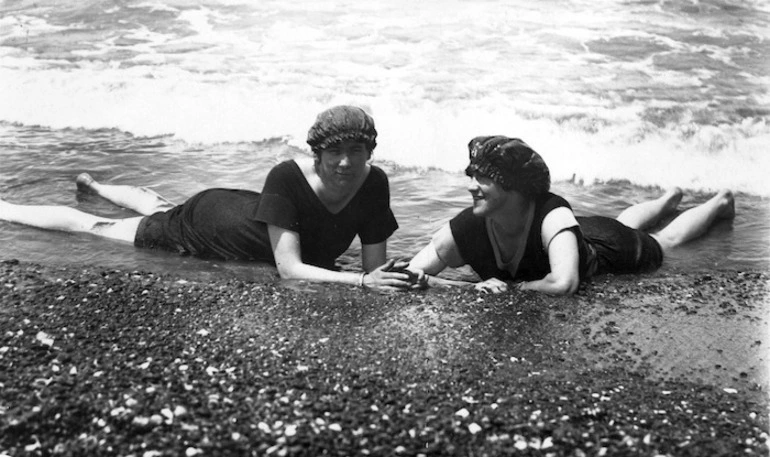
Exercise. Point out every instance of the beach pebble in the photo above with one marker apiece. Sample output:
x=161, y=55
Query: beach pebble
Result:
x=44, y=338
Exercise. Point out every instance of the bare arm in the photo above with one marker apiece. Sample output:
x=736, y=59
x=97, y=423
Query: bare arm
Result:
x=288, y=259
x=373, y=255
x=430, y=262
x=563, y=255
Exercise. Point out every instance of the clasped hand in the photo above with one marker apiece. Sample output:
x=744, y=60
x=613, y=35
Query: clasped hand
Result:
x=491, y=285
x=395, y=275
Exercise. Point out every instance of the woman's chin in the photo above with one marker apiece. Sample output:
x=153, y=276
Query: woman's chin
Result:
x=479, y=209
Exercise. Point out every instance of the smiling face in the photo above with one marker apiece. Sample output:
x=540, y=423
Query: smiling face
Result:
x=489, y=197
x=342, y=164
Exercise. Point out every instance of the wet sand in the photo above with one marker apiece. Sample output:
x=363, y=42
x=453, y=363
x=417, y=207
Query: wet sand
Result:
x=99, y=361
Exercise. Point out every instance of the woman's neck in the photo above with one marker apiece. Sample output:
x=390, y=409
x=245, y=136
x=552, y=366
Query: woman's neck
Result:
x=514, y=218
x=509, y=231
x=333, y=197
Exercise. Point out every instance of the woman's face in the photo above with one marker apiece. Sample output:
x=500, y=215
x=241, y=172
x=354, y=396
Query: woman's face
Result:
x=489, y=197
x=343, y=164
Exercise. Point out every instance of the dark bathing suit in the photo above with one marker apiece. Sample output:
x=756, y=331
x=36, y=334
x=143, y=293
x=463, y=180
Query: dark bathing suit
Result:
x=604, y=245
x=231, y=224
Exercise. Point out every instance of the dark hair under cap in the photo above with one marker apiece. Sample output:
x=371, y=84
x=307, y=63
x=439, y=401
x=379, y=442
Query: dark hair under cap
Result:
x=509, y=162
x=342, y=123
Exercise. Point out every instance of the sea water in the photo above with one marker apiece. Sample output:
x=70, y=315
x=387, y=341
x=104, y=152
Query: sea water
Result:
x=622, y=98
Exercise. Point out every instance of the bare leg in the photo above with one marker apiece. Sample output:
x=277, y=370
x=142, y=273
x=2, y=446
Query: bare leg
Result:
x=646, y=214
x=140, y=199
x=69, y=220
x=696, y=221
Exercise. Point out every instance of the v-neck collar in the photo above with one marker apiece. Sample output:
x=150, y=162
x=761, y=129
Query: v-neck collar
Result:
x=511, y=265
x=318, y=200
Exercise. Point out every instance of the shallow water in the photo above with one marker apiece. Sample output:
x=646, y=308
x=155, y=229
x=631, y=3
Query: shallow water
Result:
x=422, y=199
x=622, y=99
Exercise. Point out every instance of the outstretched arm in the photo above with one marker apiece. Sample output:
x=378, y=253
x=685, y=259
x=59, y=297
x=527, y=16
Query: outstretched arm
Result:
x=288, y=259
x=430, y=262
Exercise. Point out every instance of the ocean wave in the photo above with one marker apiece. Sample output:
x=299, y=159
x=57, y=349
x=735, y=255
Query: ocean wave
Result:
x=645, y=95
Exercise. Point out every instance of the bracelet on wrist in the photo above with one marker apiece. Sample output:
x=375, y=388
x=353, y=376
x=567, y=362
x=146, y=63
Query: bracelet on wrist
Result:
x=361, y=280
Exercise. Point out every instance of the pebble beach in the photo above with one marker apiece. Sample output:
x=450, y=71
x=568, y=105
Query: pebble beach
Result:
x=97, y=361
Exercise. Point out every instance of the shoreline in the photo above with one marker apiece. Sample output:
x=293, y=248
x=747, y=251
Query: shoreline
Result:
x=97, y=361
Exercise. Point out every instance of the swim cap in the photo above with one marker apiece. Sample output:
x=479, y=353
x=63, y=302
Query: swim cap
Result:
x=342, y=123
x=509, y=162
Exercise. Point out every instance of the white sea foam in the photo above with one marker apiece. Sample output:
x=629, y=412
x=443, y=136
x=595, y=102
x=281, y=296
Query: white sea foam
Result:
x=578, y=86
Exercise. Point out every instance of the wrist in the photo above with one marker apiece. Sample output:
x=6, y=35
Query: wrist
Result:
x=362, y=280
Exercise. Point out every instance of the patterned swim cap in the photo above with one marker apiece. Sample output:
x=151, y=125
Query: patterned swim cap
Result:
x=509, y=162
x=342, y=123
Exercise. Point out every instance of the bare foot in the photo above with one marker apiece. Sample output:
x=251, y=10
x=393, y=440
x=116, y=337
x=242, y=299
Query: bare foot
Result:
x=672, y=197
x=84, y=181
x=726, y=204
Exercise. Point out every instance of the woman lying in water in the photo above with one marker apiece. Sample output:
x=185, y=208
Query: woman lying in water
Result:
x=517, y=231
x=307, y=215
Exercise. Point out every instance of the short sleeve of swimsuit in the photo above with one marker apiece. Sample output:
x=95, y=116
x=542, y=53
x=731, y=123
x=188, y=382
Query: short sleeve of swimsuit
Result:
x=380, y=222
x=279, y=193
x=289, y=202
x=470, y=235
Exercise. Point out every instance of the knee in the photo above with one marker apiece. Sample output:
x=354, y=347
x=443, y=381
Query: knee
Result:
x=666, y=240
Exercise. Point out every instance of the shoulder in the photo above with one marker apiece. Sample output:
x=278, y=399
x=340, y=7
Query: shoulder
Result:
x=284, y=176
x=466, y=225
x=466, y=215
x=287, y=167
x=285, y=170
x=550, y=201
x=375, y=187
x=552, y=207
x=557, y=216
x=377, y=176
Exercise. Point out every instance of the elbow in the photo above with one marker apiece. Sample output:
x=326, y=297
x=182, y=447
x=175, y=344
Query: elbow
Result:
x=565, y=287
x=287, y=271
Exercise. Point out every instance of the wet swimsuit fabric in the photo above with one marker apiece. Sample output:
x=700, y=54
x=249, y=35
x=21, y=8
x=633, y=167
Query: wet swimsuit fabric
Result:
x=231, y=224
x=213, y=224
x=289, y=202
x=604, y=245
x=619, y=248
